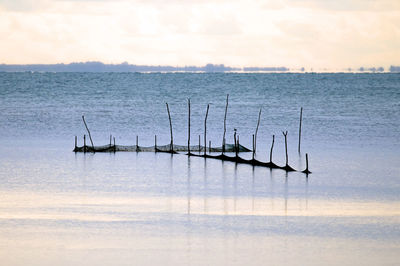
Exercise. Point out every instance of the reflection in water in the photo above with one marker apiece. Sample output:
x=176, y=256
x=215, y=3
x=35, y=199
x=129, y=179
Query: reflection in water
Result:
x=286, y=192
x=238, y=196
x=189, y=175
x=285, y=238
x=189, y=225
x=199, y=222
x=218, y=183
x=306, y=194
x=170, y=180
x=255, y=194
x=101, y=207
x=205, y=206
x=272, y=182
x=252, y=189
x=211, y=210
x=224, y=191
x=235, y=188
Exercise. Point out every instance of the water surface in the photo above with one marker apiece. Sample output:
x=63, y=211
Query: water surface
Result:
x=58, y=207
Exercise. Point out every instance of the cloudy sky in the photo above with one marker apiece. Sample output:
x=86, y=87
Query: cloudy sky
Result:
x=330, y=34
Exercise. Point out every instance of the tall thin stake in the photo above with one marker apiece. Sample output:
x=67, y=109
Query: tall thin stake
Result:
x=110, y=139
x=226, y=111
x=272, y=148
x=137, y=143
x=199, y=144
x=84, y=143
x=170, y=126
x=115, y=148
x=235, y=141
x=301, y=118
x=307, y=162
x=205, y=131
x=76, y=144
x=255, y=137
x=155, y=143
x=209, y=146
x=90, y=136
x=253, y=147
x=306, y=171
x=287, y=159
x=238, y=145
x=189, y=128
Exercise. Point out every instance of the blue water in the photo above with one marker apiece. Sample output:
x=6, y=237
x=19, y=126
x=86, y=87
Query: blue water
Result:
x=351, y=131
x=340, y=109
x=350, y=121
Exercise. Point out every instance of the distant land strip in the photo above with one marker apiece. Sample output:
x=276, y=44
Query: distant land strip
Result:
x=126, y=67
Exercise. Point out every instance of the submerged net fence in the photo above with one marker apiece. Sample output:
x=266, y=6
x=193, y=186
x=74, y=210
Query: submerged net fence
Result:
x=199, y=150
x=162, y=148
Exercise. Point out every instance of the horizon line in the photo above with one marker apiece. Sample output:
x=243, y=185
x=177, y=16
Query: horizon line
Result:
x=98, y=66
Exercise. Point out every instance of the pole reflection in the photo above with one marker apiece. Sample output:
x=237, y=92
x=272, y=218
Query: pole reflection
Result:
x=221, y=191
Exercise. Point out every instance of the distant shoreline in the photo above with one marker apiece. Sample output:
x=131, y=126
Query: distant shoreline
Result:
x=202, y=72
x=99, y=67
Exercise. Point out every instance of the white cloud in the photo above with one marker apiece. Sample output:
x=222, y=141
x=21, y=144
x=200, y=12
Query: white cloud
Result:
x=23, y=5
x=348, y=5
x=294, y=33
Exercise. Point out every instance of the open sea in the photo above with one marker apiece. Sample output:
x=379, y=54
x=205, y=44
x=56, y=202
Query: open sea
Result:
x=58, y=207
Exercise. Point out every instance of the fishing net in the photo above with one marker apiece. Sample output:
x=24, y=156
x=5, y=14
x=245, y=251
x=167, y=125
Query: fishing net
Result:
x=162, y=148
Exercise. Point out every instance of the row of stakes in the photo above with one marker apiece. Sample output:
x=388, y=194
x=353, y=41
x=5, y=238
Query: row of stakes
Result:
x=222, y=156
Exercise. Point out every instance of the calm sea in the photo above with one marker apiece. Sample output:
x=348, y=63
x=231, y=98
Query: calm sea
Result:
x=58, y=207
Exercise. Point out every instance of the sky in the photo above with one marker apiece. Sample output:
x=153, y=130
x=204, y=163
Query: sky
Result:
x=332, y=34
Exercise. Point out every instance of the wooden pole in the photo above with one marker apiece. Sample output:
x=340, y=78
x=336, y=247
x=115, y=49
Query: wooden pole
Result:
x=209, y=146
x=189, y=128
x=287, y=159
x=253, y=147
x=155, y=143
x=307, y=162
x=306, y=171
x=171, y=148
x=115, y=148
x=235, y=141
x=301, y=118
x=238, y=145
x=90, y=136
x=255, y=137
x=76, y=143
x=84, y=143
x=110, y=139
x=199, y=144
x=137, y=143
x=205, y=131
x=226, y=111
x=272, y=147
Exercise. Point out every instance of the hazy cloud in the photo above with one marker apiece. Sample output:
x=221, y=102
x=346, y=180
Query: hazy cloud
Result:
x=291, y=33
x=348, y=5
x=21, y=5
